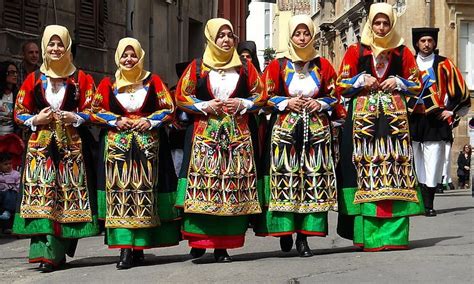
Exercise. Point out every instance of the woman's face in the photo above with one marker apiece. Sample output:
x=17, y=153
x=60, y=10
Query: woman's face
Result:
x=55, y=47
x=12, y=74
x=246, y=55
x=225, y=38
x=301, y=36
x=129, y=57
x=467, y=149
x=381, y=25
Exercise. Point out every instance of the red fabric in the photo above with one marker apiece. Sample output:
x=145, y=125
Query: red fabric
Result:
x=386, y=248
x=57, y=229
x=214, y=242
x=12, y=143
x=41, y=259
x=384, y=209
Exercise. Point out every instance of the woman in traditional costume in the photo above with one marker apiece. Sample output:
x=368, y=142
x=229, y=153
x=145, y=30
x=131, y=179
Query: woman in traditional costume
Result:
x=378, y=180
x=139, y=212
x=57, y=203
x=299, y=182
x=217, y=188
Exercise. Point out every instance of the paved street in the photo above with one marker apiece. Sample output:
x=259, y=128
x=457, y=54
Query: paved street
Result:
x=441, y=251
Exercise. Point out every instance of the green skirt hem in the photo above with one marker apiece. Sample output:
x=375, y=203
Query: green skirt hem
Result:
x=210, y=225
x=399, y=208
x=379, y=234
x=168, y=234
x=283, y=223
x=31, y=227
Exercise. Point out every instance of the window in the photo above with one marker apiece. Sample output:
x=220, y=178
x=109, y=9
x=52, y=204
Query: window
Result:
x=91, y=16
x=22, y=15
x=466, y=52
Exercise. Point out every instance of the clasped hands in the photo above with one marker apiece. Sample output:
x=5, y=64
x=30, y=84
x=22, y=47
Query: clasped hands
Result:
x=230, y=106
x=125, y=123
x=46, y=115
x=371, y=83
x=299, y=103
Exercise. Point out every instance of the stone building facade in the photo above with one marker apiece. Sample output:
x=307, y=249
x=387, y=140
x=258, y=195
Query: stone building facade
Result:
x=340, y=23
x=170, y=31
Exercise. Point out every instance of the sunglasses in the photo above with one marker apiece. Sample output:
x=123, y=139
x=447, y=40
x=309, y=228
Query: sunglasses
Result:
x=12, y=72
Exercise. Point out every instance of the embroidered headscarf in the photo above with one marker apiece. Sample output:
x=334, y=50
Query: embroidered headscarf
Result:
x=214, y=56
x=379, y=44
x=295, y=52
x=57, y=67
x=125, y=76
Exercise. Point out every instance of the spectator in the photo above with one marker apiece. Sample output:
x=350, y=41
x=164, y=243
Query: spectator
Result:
x=464, y=166
x=8, y=90
x=30, y=52
x=9, y=187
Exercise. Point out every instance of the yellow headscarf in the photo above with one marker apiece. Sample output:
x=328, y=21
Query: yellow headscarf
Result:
x=295, y=52
x=214, y=56
x=379, y=44
x=128, y=76
x=63, y=66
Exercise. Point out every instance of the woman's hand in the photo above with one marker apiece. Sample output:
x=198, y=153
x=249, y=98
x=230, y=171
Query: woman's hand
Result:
x=296, y=104
x=445, y=114
x=43, y=117
x=66, y=117
x=312, y=105
x=215, y=106
x=370, y=82
x=141, y=124
x=124, y=123
x=233, y=105
x=389, y=85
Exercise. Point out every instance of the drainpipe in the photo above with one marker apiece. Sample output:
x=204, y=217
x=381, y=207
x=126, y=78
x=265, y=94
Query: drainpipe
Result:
x=55, y=13
x=130, y=13
x=215, y=5
x=428, y=15
x=151, y=36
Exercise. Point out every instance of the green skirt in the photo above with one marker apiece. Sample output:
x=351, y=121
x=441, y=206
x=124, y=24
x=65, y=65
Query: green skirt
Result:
x=273, y=223
x=30, y=227
x=210, y=231
x=166, y=234
x=376, y=226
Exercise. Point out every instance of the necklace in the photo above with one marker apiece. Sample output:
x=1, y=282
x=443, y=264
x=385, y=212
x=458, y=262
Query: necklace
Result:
x=56, y=86
x=222, y=73
x=300, y=71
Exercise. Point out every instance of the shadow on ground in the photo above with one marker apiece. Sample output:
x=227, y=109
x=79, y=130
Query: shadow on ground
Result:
x=430, y=242
x=150, y=259
x=209, y=258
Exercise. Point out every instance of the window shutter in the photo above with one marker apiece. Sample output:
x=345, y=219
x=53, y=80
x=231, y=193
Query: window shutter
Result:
x=91, y=18
x=22, y=15
x=31, y=16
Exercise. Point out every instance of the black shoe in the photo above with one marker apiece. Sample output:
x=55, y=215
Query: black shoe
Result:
x=430, y=213
x=46, y=267
x=138, y=256
x=286, y=243
x=451, y=186
x=197, y=252
x=126, y=259
x=221, y=255
x=439, y=189
x=303, y=248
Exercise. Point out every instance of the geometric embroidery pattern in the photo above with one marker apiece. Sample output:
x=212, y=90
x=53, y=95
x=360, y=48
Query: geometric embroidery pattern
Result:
x=131, y=179
x=302, y=168
x=55, y=188
x=382, y=149
x=222, y=175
